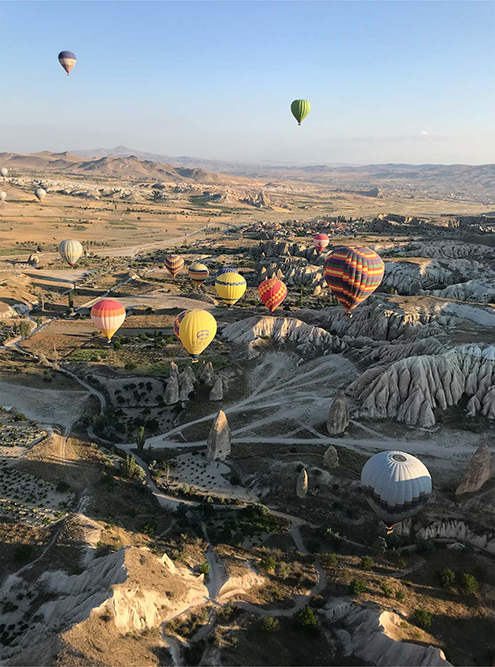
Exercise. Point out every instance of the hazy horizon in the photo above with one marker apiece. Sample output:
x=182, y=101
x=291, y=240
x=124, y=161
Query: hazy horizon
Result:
x=388, y=82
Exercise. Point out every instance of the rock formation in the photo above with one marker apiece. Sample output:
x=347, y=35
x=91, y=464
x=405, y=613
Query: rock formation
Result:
x=338, y=415
x=478, y=471
x=216, y=393
x=172, y=390
x=186, y=383
x=219, y=443
x=302, y=484
x=331, y=458
x=206, y=373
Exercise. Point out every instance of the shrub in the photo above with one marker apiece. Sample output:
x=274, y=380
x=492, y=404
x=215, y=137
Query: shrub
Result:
x=306, y=618
x=447, y=577
x=268, y=563
x=387, y=590
x=204, y=568
x=329, y=560
x=270, y=624
x=379, y=546
x=422, y=617
x=358, y=586
x=470, y=584
x=62, y=487
x=400, y=595
x=367, y=563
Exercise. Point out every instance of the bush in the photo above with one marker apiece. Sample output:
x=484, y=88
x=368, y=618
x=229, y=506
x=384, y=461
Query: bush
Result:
x=470, y=584
x=62, y=487
x=387, y=590
x=379, y=546
x=270, y=624
x=329, y=560
x=447, y=577
x=367, y=563
x=400, y=595
x=358, y=586
x=268, y=563
x=422, y=617
x=204, y=568
x=306, y=618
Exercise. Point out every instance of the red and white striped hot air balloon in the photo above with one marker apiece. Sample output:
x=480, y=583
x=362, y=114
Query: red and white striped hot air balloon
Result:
x=321, y=241
x=272, y=292
x=108, y=316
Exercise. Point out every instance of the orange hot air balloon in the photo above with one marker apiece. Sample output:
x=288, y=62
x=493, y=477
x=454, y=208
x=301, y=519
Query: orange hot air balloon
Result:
x=174, y=264
x=108, y=315
x=321, y=241
x=272, y=292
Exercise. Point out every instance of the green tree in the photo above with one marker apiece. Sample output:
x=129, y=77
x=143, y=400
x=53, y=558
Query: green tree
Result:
x=422, y=617
x=400, y=595
x=306, y=618
x=204, y=568
x=131, y=469
x=329, y=560
x=268, y=563
x=141, y=438
x=447, y=577
x=387, y=590
x=358, y=586
x=470, y=584
x=367, y=563
x=70, y=298
x=270, y=624
x=24, y=328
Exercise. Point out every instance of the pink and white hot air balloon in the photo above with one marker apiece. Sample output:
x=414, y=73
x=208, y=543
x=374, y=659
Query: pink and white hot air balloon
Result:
x=321, y=241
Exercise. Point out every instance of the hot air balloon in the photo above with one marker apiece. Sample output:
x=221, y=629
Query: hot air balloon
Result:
x=224, y=270
x=70, y=250
x=396, y=485
x=67, y=59
x=300, y=109
x=40, y=194
x=352, y=274
x=230, y=287
x=198, y=273
x=196, y=331
x=3, y=195
x=4, y=171
x=272, y=292
x=174, y=264
x=321, y=241
x=108, y=315
x=177, y=322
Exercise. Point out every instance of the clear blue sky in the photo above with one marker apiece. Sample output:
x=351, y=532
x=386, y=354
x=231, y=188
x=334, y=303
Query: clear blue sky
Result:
x=388, y=81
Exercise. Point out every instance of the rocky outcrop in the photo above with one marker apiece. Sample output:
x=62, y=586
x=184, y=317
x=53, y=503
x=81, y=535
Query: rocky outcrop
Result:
x=186, y=383
x=206, y=373
x=302, y=484
x=374, y=636
x=216, y=393
x=338, y=415
x=219, y=443
x=282, y=329
x=411, y=389
x=331, y=458
x=478, y=471
x=172, y=390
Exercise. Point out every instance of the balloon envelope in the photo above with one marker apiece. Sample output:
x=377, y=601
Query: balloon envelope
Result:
x=352, y=274
x=224, y=270
x=230, y=287
x=300, y=109
x=272, y=292
x=196, y=331
x=70, y=250
x=67, y=59
x=396, y=485
x=174, y=264
x=3, y=195
x=4, y=171
x=108, y=315
x=198, y=273
x=40, y=194
x=177, y=322
x=320, y=241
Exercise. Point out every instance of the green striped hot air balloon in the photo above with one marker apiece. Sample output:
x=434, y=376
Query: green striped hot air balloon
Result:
x=300, y=109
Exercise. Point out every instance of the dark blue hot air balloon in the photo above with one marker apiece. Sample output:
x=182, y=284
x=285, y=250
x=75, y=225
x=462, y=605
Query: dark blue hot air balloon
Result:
x=67, y=59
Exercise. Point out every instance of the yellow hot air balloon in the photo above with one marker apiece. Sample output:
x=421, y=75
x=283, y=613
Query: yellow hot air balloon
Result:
x=230, y=287
x=196, y=331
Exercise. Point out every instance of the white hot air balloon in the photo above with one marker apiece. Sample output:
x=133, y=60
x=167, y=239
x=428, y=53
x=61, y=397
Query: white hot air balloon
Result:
x=3, y=195
x=396, y=485
x=70, y=250
x=40, y=193
x=4, y=171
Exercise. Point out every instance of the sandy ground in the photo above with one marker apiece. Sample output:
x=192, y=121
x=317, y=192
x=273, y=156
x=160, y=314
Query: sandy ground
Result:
x=45, y=406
